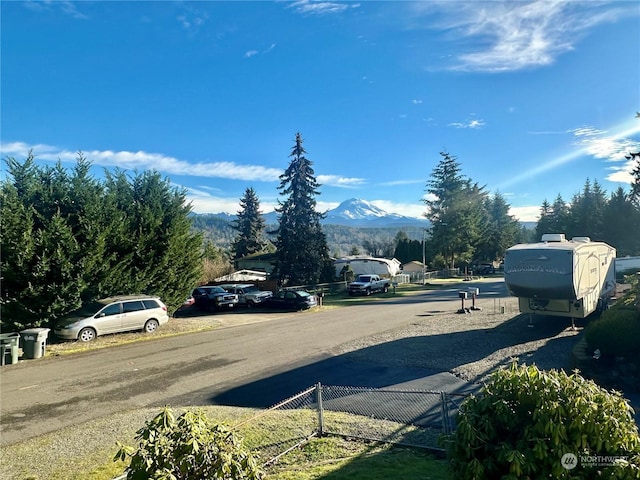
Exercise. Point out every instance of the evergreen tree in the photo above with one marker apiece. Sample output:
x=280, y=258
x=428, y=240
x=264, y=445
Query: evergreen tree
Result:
x=622, y=228
x=301, y=245
x=501, y=230
x=546, y=218
x=67, y=239
x=635, y=184
x=587, y=213
x=554, y=218
x=456, y=213
x=250, y=226
x=407, y=250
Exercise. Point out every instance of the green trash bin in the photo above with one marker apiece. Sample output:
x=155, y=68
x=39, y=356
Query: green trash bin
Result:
x=9, y=348
x=34, y=341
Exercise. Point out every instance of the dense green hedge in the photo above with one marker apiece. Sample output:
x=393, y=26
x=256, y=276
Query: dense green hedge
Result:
x=533, y=424
x=617, y=331
x=68, y=238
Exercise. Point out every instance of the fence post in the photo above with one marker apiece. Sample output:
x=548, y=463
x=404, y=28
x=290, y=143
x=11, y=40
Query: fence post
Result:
x=320, y=410
x=444, y=411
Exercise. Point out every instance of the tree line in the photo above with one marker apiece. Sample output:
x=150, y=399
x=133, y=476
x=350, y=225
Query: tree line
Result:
x=68, y=238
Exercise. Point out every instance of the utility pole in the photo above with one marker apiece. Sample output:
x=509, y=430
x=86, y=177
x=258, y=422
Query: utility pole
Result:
x=424, y=256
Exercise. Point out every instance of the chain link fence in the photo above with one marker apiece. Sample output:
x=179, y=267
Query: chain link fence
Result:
x=405, y=417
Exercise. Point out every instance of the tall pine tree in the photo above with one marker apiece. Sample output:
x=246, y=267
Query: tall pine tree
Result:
x=501, y=230
x=301, y=245
x=456, y=211
x=635, y=184
x=250, y=226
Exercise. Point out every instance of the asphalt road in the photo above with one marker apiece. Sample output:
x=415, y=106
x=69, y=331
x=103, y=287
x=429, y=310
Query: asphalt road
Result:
x=253, y=364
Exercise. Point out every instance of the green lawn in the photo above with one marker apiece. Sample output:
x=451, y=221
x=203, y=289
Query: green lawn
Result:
x=86, y=451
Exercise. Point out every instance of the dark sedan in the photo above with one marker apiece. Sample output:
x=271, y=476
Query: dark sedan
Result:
x=291, y=300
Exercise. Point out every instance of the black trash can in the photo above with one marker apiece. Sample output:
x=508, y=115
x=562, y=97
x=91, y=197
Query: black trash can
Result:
x=34, y=341
x=9, y=348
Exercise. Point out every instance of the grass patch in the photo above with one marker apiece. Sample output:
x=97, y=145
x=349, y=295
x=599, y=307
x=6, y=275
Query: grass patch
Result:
x=86, y=451
x=333, y=458
x=176, y=326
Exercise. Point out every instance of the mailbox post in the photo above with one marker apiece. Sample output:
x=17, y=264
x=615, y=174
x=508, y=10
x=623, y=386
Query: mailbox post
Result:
x=463, y=297
x=474, y=293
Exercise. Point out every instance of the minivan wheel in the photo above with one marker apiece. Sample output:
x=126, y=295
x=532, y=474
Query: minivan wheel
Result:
x=151, y=326
x=87, y=334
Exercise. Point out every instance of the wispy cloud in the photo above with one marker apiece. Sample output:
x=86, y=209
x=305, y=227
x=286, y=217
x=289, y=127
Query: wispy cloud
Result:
x=192, y=19
x=66, y=7
x=313, y=7
x=594, y=142
x=203, y=201
x=144, y=160
x=469, y=123
x=252, y=53
x=338, y=181
x=511, y=36
x=395, y=183
x=602, y=144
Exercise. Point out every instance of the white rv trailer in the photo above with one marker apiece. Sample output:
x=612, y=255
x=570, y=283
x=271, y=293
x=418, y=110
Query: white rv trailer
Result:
x=560, y=277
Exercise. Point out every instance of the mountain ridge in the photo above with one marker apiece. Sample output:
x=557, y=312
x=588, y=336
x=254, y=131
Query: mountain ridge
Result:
x=354, y=212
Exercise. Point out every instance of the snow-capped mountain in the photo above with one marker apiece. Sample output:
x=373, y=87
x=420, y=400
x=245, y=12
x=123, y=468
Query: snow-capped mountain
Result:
x=356, y=212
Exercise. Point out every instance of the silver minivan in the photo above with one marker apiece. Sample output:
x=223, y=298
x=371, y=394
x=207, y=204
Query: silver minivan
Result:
x=113, y=315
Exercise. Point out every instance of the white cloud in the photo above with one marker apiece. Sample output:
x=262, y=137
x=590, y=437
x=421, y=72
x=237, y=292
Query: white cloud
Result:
x=313, y=7
x=144, y=160
x=66, y=7
x=338, y=181
x=252, y=53
x=415, y=210
x=192, y=19
x=473, y=123
x=416, y=101
x=601, y=144
x=394, y=183
x=590, y=141
x=525, y=214
x=511, y=36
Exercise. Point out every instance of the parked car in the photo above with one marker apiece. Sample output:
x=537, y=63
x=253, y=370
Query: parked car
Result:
x=212, y=298
x=291, y=300
x=113, y=315
x=248, y=294
x=484, y=269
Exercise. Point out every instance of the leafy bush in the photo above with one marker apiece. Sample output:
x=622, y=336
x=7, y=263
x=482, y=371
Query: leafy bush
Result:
x=616, y=332
x=526, y=420
x=189, y=448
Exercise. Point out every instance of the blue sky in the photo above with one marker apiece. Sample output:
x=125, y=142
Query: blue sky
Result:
x=532, y=97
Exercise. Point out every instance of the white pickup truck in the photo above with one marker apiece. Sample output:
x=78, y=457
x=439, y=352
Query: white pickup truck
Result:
x=368, y=284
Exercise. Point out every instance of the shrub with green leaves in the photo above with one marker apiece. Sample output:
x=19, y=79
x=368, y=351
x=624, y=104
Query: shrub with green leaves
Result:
x=525, y=420
x=190, y=447
x=616, y=332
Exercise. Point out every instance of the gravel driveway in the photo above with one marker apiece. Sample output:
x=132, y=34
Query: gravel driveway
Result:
x=470, y=345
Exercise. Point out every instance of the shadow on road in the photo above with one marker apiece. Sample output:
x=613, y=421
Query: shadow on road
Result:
x=424, y=362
